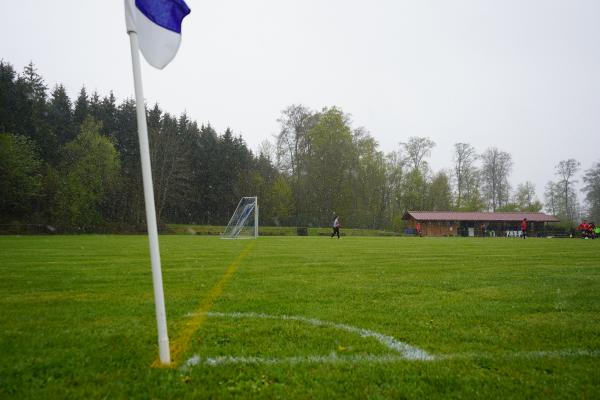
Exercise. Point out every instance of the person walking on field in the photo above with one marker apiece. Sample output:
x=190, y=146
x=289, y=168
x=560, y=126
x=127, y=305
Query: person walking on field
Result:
x=336, y=227
x=524, y=228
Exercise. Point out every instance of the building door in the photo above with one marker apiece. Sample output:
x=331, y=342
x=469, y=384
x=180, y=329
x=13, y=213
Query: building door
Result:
x=465, y=228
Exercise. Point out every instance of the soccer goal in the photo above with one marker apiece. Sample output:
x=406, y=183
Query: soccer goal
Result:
x=244, y=222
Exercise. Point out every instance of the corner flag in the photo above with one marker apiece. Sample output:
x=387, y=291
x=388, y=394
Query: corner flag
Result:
x=157, y=23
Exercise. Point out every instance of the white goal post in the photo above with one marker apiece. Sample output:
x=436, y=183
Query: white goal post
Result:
x=244, y=221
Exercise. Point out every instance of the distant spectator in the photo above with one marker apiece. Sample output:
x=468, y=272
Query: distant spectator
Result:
x=336, y=227
x=418, y=229
x=524, y=228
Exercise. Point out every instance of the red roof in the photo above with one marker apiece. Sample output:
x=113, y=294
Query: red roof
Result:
x=479, y=216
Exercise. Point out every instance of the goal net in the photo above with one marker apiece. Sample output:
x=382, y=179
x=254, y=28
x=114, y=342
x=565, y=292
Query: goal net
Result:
x=244, y=221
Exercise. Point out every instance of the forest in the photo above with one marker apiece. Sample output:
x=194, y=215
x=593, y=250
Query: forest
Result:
x=73, y=165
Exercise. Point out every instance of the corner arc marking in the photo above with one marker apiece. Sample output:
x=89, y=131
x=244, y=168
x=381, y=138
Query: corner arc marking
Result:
x=407, y=351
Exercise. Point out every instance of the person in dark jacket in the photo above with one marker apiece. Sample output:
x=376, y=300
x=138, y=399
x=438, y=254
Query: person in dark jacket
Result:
x=336, y=227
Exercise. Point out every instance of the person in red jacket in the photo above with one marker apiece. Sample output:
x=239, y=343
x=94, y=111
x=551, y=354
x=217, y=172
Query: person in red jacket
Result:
x=583, y=227
x=524, y=228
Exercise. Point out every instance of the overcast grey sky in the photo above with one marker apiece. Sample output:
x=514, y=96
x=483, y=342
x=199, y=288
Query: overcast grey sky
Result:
x=522, y=75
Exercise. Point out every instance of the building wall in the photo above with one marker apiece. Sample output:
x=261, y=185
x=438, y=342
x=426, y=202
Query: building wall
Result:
x=453, y=228
x=435, y=228
x=439, y=228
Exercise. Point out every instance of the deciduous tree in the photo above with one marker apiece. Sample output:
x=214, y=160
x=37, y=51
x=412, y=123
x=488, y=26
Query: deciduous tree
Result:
x=20, y=176
x=416, y=150
x=329, y=168
x=439, y=193
x=495, y=170
x=565, y=170
x=525, y=198
x=591, y=179
x=88, y=170
x=464, y=171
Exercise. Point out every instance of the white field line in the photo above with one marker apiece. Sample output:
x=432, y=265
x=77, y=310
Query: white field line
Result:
x=524, y=354
x=407, y=351
x=334, y=358
x=404, y=352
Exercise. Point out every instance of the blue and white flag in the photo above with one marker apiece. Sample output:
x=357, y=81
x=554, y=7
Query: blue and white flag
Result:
x=158, y=27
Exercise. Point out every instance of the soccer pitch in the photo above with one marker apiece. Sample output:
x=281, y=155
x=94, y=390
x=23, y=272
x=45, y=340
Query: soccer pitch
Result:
x=301, y=317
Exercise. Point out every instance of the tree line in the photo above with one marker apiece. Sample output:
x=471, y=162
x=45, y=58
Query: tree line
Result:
x=74, y=165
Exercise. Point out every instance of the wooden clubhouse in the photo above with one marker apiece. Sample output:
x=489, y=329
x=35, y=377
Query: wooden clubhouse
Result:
x=459, y=223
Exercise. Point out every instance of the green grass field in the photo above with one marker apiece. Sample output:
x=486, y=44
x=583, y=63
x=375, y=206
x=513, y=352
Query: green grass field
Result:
x=301, y=317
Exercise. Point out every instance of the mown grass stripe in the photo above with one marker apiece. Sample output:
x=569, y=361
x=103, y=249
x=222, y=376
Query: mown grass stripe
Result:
x=503, y=318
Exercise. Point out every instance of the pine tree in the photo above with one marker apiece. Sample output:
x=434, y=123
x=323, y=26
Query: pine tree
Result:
x=108, y=115
x=94, y=106
x=8, y=93
x=60, y=115
x=33, y=110
x=81, y=111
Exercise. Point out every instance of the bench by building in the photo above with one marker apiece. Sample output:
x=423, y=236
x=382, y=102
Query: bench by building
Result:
x=459, y=223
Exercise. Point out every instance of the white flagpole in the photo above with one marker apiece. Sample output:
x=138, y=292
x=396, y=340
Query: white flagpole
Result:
x=159, y=298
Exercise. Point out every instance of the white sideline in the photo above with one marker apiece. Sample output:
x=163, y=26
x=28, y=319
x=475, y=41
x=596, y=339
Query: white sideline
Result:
x=524, y=354
x=403, y=351
x=334, y=358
